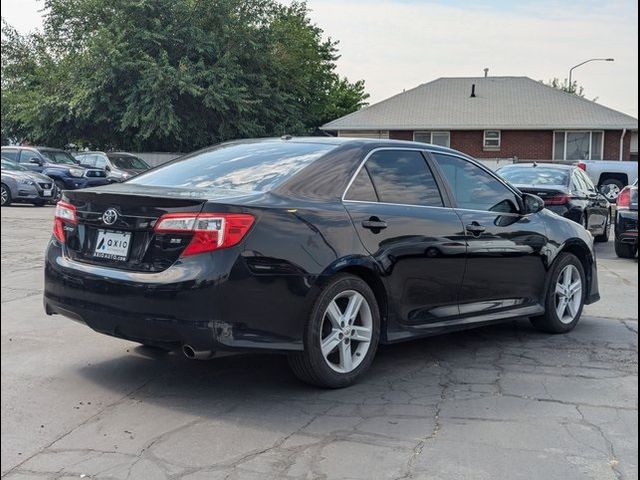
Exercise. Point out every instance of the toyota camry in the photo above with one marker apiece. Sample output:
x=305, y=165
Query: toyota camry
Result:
x=318, y=248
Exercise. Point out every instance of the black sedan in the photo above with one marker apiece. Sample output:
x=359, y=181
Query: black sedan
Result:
x=567, y=191
x=626, y=230
x=318, y=248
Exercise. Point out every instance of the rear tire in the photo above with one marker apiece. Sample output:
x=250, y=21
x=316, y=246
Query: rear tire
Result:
x=625, y=250
x=5, y=195
x=615, y=187
x=341, y=335
x=567, y=286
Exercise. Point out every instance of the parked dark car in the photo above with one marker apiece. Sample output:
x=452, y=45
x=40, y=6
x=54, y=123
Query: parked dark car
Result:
x=57, y=164
x=119, y=165
x=21, y=185
x=319, y=248
x=567, y=191
x=626, y=230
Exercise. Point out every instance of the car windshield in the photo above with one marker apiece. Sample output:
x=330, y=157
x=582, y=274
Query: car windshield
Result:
x=535, y=175
x=258, y=166
x=57, y=156
x=128, y=162
x=9, y=165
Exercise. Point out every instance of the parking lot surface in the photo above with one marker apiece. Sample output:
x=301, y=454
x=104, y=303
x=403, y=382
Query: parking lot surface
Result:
x=500, y=402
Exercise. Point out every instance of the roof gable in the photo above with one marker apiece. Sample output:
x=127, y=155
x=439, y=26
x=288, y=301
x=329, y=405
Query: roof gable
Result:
x=506, y=103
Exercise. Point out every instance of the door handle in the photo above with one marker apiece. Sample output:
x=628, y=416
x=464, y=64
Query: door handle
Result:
x=475, y=228
x=374, y=224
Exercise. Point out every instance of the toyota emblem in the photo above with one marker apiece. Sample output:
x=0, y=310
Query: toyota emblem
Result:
x=109, y=217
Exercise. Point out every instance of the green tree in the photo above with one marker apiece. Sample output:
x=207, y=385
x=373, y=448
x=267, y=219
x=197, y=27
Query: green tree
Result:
x=565, y=86
x=170, y=74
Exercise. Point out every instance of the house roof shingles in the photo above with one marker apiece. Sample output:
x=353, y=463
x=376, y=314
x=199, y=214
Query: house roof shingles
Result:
x=506, y=103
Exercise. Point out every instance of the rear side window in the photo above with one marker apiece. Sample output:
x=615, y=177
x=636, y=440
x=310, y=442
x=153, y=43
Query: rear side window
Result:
x=403, y=176
x=475, y=189
x=241, y=166
x=10, y=154
x=362, y=188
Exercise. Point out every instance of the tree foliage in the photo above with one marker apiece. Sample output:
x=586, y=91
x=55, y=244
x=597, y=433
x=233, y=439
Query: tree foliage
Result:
x=565, y=86
x=170, y=74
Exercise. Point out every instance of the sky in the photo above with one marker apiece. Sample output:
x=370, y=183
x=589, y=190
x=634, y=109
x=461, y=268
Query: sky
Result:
x=399, y=44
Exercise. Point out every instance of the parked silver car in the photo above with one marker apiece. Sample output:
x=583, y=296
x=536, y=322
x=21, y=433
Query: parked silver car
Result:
x=21, y=185
x=119, y=166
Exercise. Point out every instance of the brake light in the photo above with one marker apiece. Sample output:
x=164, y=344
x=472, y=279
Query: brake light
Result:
x=65, y=213
x=582, y=166
x=624, y=199
x=557, y=200
x=211, y=231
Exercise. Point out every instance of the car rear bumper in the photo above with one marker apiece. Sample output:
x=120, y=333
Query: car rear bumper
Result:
x=626, y=228
x=208, y=305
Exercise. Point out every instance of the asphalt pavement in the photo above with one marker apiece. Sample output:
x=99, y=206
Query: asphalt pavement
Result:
x=502, y=402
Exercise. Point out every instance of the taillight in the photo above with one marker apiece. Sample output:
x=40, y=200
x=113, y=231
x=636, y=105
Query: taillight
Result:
x=582, y=166
x=65, y=213
x=211, y=231
x=557, y=200
x=624, y=199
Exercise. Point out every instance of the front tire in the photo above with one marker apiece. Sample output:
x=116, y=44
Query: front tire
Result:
x=625, y=250
x=565, y=296
x=5, y=196
x=341, y=336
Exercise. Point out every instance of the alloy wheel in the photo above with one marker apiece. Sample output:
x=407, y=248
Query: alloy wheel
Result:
x=346, y=331
x=4, y=195
x=612, y=192
x=568, y=294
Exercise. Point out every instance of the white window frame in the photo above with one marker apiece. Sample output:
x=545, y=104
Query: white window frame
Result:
x=491, y=147
x=431, y=132
x=565, y=132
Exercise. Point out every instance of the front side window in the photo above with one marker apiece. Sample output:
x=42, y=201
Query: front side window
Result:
x=474, y=188
x=402, y=177
x=251, y=166
x=441, y=139
x=492, y=139
x=574, y=145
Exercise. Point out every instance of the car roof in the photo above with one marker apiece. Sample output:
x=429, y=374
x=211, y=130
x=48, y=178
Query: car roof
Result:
x=346, y=141
x=557, y=166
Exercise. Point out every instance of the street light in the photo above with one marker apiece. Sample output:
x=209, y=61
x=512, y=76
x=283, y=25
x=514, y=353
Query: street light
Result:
x=587, y=61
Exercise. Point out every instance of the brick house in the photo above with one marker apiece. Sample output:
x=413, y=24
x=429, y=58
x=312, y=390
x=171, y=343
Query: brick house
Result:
x=497, y=118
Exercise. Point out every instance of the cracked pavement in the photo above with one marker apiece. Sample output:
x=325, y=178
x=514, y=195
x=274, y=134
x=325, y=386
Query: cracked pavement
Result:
x=498, y=402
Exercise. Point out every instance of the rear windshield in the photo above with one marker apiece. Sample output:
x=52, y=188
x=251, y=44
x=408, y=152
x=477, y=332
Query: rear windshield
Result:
x=535, y=175
x=244, y=166
x=128, y=162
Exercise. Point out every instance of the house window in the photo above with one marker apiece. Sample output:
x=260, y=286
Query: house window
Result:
x=578, y=145
x=435, y=138
x=491, y=140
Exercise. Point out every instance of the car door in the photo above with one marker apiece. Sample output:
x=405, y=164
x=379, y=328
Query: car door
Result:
x=31, y=160
x=505, y=270
x=597, y=205
x=404, y=220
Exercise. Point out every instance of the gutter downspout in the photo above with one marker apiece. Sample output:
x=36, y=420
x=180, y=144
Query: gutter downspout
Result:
x=624, y=131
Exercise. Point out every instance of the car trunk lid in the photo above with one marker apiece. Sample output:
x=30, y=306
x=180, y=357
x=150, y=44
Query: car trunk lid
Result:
x=115, y=225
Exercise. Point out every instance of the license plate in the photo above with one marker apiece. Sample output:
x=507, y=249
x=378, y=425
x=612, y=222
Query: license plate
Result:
x=112, y=245
x=47, y=193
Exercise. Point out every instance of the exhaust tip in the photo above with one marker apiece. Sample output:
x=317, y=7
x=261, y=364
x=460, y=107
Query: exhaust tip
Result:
x=188, y=351
x=193, y=354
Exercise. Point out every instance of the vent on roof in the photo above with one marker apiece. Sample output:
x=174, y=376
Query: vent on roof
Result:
x=473, y=91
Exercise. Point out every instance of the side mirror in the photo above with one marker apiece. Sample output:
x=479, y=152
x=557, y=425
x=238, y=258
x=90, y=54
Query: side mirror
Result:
x=107, y=168
x=35, y=160
x=532, y=203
